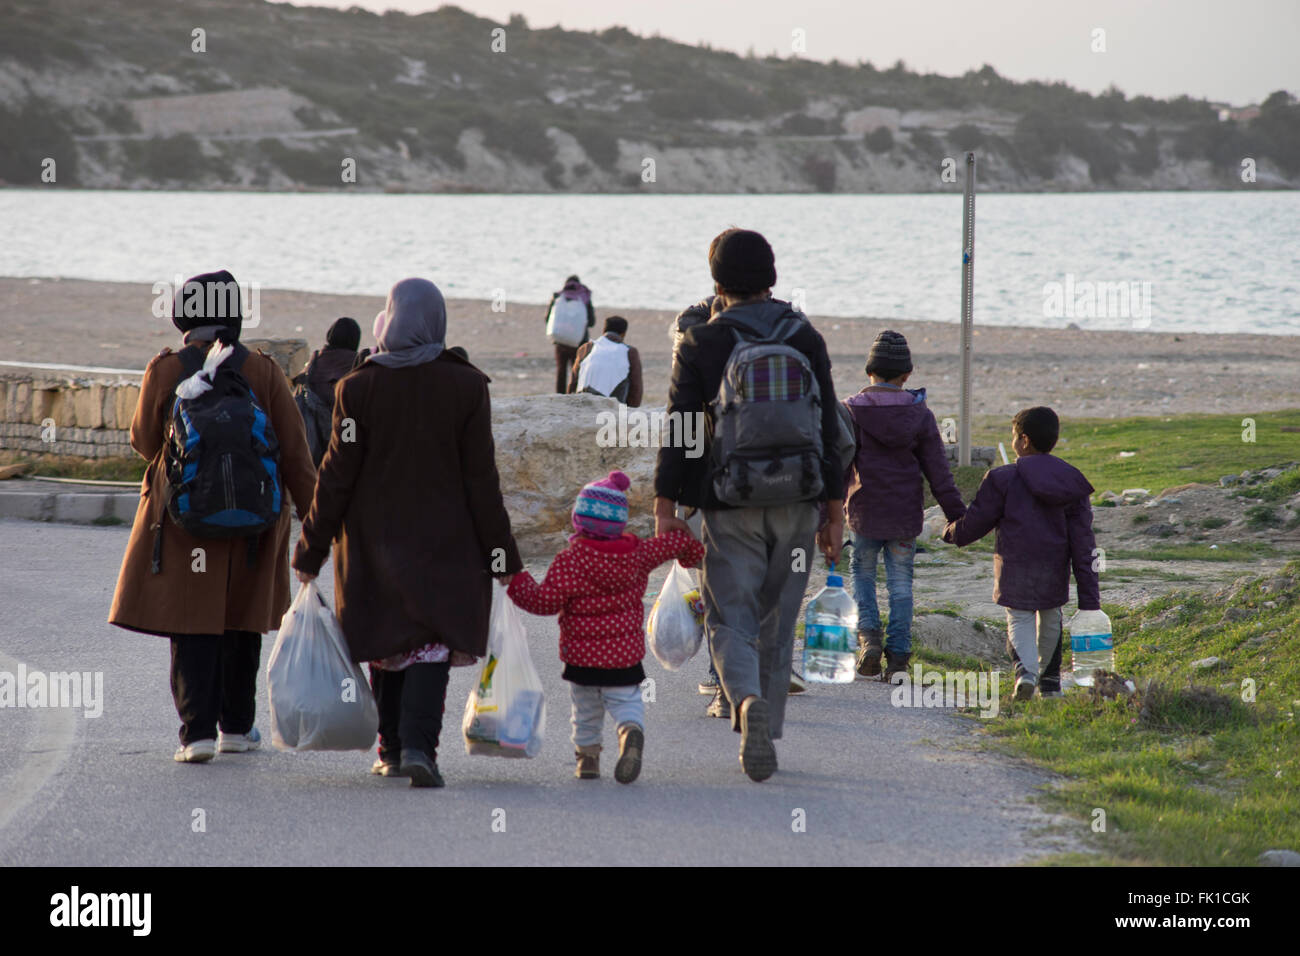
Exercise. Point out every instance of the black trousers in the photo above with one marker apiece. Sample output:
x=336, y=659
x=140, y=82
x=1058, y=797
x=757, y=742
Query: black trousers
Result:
x=564, y=356
x=411, y=704
x=214, y=681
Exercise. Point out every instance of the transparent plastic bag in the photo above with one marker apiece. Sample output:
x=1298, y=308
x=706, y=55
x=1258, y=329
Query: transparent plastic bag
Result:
x=675, y=627
x=505, y=715
x=320, y=699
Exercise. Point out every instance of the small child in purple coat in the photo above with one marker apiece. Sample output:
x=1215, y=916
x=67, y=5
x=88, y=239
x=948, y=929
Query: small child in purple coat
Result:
x=1043, y=516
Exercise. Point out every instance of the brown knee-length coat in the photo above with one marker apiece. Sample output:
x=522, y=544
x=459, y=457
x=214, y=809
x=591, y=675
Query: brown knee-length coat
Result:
x=410, y=498
x=226, y=594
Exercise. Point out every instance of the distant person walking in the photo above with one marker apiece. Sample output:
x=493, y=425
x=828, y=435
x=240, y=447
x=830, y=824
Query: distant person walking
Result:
x=761, y=371
x=609, y=366
x=410, y=499
x=213, y=597
x=568, y=318
x=314, y=385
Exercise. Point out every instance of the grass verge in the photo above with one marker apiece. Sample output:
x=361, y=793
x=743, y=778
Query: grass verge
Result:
x=1201, y=766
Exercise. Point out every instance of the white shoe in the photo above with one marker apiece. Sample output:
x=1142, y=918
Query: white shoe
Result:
x=1024, y=688
x=240, y=743
x=201, y=751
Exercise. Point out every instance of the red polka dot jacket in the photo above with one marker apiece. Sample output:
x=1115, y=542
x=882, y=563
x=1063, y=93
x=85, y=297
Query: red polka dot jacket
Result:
x=598, y=588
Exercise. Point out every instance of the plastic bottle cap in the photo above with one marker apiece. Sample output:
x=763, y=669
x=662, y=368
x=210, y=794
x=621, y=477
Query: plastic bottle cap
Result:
x=834, y=581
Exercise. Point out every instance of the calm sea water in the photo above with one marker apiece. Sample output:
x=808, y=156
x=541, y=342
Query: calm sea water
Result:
x=1209, y=262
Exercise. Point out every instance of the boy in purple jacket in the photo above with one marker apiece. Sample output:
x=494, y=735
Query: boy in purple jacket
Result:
x=898, y=444
x=1041, y=509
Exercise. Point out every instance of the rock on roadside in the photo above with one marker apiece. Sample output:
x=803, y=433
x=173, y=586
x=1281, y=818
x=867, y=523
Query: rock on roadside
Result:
x=954, y=635
x=548, y=447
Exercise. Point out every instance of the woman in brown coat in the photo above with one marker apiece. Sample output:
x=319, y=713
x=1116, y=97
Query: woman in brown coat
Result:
x=409, y=496
x=205, y=594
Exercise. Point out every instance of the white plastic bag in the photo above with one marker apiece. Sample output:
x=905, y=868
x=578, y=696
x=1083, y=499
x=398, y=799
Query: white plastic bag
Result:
x=675, y=626
x=320, y=699
x=505, y=715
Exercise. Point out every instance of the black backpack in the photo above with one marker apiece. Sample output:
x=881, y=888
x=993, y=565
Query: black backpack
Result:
x=222, y=457
x=317, y=416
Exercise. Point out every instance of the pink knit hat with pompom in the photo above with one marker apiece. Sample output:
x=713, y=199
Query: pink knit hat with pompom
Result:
x=601, y=508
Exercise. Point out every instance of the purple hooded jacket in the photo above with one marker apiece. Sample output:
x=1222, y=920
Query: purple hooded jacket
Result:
x=1041, y=509
x=898, y=443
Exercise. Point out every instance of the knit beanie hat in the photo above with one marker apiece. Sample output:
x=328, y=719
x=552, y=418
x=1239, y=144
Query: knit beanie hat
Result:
x=601, y=508
x=344, y=334
x=210, y=299
x=889, y=357
x=742, y=261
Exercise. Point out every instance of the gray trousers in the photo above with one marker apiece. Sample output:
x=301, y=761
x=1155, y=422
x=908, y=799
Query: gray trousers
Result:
x=752, y=598
x=1034, y=643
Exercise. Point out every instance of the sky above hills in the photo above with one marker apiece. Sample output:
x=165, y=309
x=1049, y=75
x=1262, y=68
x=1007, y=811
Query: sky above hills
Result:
x=1222, y=50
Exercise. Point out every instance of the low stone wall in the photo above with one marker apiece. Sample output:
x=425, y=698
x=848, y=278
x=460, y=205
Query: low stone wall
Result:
x=89, y=414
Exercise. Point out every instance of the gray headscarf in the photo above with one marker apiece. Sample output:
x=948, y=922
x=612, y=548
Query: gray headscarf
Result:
x=414, y=327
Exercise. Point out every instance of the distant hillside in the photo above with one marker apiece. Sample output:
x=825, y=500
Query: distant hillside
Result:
x=284, y=97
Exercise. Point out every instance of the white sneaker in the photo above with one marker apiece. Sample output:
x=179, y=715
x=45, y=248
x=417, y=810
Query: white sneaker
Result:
x=201, y=751
x=1024, y=688
x=240, y=743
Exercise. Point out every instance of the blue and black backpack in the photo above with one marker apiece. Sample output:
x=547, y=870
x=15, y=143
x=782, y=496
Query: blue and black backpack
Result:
x=222, y=457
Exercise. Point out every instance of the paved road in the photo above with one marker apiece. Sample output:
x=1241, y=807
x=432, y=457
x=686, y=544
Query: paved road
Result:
x=876, y=784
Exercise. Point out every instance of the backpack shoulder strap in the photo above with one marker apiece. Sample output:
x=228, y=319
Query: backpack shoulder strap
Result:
x=784, y=328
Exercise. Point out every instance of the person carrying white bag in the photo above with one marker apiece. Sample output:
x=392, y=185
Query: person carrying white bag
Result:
x=505, y=715
x=597, y=585
x=320, y=700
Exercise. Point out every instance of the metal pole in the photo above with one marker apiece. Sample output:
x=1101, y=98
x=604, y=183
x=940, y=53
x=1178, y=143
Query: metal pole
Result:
x=967, y=284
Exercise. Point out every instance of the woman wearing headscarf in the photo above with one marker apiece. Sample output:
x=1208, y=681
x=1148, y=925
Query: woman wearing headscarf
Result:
x=409, y=496
x=213, y=597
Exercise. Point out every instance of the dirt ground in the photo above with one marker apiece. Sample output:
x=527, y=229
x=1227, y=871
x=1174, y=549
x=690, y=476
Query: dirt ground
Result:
x=1083, y=373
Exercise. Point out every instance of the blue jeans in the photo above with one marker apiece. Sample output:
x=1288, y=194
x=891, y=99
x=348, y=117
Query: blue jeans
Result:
x=898, y=581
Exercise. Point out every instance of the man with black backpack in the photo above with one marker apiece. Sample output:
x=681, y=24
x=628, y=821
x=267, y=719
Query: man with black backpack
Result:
x=761, y=375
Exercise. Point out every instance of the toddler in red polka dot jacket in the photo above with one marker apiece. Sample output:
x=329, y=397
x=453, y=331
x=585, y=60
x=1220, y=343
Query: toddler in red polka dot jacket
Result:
x=597, y=585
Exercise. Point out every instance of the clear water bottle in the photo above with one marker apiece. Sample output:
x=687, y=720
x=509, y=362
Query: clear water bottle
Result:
x=829, y=634
x=1091, y=646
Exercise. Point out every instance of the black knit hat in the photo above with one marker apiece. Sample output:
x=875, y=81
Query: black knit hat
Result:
x=212, y=298
x=343, y=334
x=889, y=357
x=742, y=262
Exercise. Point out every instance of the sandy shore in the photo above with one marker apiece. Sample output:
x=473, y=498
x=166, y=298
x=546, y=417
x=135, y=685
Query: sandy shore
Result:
x=1080, y=373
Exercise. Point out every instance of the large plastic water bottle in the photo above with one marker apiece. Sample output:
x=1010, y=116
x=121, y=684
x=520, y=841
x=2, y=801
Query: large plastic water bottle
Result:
x=1091, y=646
x=829, y=629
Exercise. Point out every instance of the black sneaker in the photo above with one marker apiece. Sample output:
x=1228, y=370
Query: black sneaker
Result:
x=757, y=753
x=422, y=771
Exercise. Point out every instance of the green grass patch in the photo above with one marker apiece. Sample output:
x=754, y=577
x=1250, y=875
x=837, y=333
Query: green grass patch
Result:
x=66, y=466
x=1198, y=768
x=968, y=480
x=1209, y=524
x=1283, y=486
x=1238, y=551
x=1259, y=517
x=1170, y=451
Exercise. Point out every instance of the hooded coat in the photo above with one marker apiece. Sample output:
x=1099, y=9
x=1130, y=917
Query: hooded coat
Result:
x=1043, y=517
x=898, y=445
